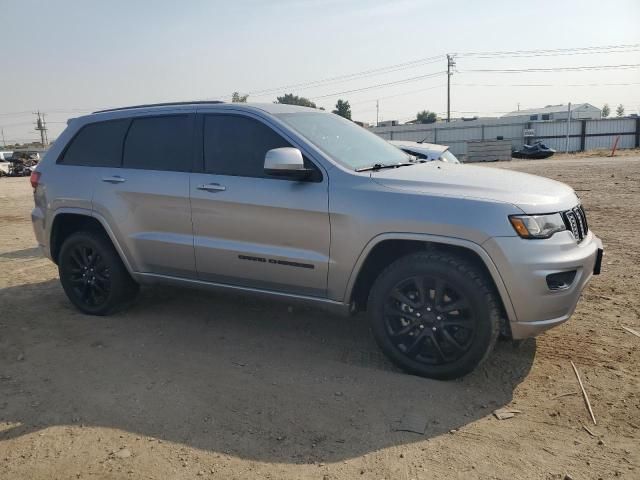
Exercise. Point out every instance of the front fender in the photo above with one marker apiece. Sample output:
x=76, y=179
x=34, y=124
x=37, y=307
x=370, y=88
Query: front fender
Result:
x=435, y=240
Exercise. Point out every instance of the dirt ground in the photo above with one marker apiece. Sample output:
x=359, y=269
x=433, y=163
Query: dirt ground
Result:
x=190, y=385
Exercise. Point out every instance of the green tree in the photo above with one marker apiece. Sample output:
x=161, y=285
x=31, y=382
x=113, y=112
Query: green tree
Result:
x=605, y=110
x=237, y=98
x=426, y=116
x=343, y=109
x=620, y=111
x=291, y=99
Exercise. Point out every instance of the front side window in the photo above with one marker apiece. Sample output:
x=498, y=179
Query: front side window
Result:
x=159, y=143
x=236, y=145
x=533, y=117
x=344, y=141
x=97, y=145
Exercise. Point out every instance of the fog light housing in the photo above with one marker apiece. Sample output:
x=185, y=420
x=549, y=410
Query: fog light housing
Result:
x=561, y=280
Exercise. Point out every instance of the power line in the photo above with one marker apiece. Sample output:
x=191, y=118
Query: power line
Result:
x=398, y=94
x=15, y=124
x=546, y=84
x=563, y=54
x=553, y=69
x=436, y=58
x=555, y=51
x=352, y=76
x=379, y=85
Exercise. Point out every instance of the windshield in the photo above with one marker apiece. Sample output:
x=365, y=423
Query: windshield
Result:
x=347, y=143
x=447, y=156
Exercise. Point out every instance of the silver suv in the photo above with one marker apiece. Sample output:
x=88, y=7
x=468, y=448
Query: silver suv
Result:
x=303, y=205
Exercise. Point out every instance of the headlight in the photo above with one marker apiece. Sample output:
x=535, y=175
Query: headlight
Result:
x=537, y=226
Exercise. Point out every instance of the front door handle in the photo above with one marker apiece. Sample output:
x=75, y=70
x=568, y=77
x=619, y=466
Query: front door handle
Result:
x=114, y=179
x=212, y=187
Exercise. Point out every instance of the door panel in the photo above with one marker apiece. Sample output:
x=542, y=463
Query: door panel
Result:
x=262, y=233
x=250, y=229
x=150, y=215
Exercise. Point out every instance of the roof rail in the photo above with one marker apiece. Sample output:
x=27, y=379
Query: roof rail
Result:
x=166, y=104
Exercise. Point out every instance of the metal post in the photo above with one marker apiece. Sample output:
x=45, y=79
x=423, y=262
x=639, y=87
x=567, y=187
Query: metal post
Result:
x=450, y=63
x=583, y=135
x=4, y=144
x=568, y=126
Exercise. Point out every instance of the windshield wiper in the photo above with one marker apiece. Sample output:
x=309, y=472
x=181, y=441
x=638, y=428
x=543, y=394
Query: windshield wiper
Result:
x=380, y=166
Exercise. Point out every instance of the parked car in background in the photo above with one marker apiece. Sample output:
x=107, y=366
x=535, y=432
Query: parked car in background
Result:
x=25, y=155
x=4, y=167
x=303, y=205
x=4, y=162
x=426, y=151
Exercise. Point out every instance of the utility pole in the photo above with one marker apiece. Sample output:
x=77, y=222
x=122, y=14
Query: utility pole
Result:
x=41, y=126
x=4, y=144
x=377, y=112
x=450, y=63
x=518, y=106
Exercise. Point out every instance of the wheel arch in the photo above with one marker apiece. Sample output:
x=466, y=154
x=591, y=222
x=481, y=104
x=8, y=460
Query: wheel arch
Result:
x=68, y=221
x=384, y=249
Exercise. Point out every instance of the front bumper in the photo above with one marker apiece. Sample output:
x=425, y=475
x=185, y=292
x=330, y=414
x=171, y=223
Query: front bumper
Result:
x=524, y=266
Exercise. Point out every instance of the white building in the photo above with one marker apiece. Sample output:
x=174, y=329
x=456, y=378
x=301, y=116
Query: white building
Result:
x=579, y=111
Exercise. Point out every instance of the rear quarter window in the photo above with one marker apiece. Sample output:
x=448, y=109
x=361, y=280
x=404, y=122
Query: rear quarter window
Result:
x=97, y=145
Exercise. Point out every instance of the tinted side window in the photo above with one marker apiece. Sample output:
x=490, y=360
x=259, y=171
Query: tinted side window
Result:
x=159, y=143
x=97, y=145
x=235, y=145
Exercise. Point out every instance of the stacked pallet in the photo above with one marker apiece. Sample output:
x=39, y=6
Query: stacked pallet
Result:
x=488, y=151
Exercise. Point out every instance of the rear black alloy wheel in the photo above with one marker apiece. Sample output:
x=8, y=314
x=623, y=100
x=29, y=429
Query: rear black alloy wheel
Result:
x=88, y=275
x=434, y=314
x=429, y=320
x=93, y=275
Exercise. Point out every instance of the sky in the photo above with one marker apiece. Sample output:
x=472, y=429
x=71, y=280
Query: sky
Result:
x=70, y=57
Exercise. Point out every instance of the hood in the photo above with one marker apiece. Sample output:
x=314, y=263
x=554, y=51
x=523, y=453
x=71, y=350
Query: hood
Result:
x=530, y=193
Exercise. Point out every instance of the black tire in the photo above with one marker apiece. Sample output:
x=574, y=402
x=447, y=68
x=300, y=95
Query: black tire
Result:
x=93, y=275
x=414, y=319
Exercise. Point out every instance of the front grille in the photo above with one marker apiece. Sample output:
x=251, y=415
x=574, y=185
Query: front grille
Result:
x=576, y=221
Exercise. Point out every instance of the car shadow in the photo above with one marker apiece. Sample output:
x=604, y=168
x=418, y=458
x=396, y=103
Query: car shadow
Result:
x=33, y=252
x=233, y=374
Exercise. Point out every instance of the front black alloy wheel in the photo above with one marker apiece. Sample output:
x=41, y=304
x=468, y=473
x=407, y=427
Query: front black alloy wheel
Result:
x=92, y=274
x=429, y=320
x=434, y=315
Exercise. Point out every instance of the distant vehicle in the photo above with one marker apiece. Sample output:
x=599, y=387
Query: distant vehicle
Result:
x=426, y=151
x=20, y=163
x=4, y=167
x=5, y=164
x=25, y=155
x=536, y=151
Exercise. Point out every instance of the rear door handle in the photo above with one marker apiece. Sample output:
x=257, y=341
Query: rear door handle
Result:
x=114, y=179
x=212, y=187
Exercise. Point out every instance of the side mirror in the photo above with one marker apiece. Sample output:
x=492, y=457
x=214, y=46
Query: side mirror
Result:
x=286, y=162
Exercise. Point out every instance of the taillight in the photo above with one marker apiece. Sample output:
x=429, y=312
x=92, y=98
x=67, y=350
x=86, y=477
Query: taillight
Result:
x=35, y=179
